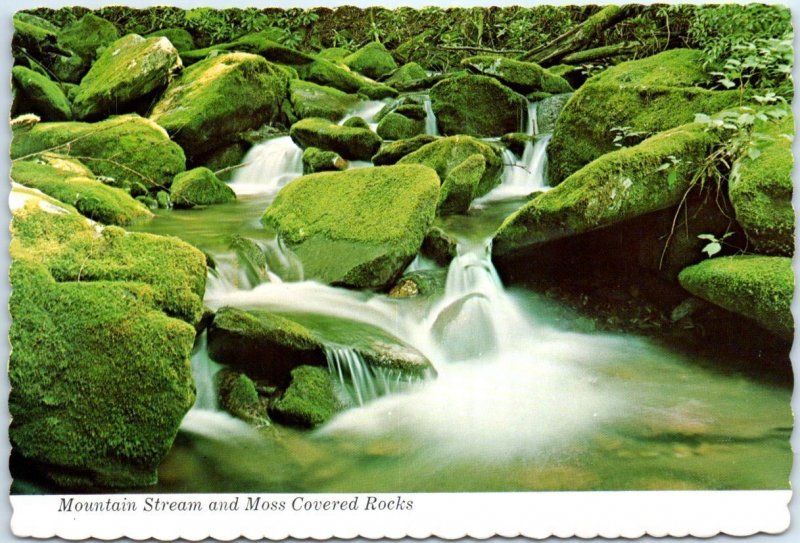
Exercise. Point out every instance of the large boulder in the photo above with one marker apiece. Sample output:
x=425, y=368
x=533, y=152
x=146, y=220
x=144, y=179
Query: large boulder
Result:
x=263, y=43
x=199, y=187
x=100, y=374
x=524, y=77
x=87, y=38
x=359, y=228
x=476, y=105
x=128, y=148
x=621, y=185
x=391, y=152
x=635, y=100
x=372, y=60
x=309, y=400
x=33, y=36
x=757, y=287
x=760, y=189
x=446, y=154
x=37, y=94
x=396, y=126
x=407, y=73
x=125, y=76
x=70, y=182
x=461, y=185
x=312, y=100
x=331, y=74
x=215, y=100
x=350, y=142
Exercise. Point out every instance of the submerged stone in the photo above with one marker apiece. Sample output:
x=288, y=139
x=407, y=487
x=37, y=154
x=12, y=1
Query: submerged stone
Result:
x=757, y=287
x=358, y=228
x=38, y=94
x=372, y=60
x=350, y=143
x=476, y=105
x=199, y=187
x=130, y=70
x=215, y=100
x=308, y=401
x=521, y=76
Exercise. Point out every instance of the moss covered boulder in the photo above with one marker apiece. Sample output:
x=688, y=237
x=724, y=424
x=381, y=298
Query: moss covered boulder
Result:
x=334, y=53
x=309, y=400
x=128, y=148
x=317, y=160
x=100, y=374
x=372, y=60
x=331, y=74
x=757, y=287
x=239, y=396
x=760, y=190
x=358, y=228
x=215, y=100
x=180, y=38
x=396, y=126
x=406, y=73
x=128, y=73
x=644, y=96
x=70, y=182
x=37, y=94
x=391, y=152
x=312, y=100
x=476, y=105
x=199, y=187
x=524, y=77
x=87, y=38
x=620, y=185
x=264, y=43
x=461, y=185
x=445, y=154
x=349, y=142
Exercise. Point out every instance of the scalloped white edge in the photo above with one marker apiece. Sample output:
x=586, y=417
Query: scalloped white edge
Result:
x=537, y=515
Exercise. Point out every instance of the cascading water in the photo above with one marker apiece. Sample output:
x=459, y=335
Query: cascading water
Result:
x=268, y=166
x=431, y=128
x=367, y=110
x=359, y=382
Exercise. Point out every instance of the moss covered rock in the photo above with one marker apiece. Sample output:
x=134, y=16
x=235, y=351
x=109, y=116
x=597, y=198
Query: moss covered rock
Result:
x=396, y=126
x=439, y=246
x=391, y=152
x=445, y=154
x=760, y=190
x=180, y=38
x=331, y=74
x=101, y=376
x=356, y=122
x=372, y=60
x=420, y=283
x=548, y=110
x=521, y=76
x=621, y=185
x=334, y=53
x=476, y=105
x=646, y=96
x=351, y=143
x=317, y=160
x=87, y=37
x=68, y=184
x=215, y=100
x=407, y=73
x=128, y=148
x=264, y=43
x=309, y=401
x=358, y=228
x=312, y=100
x=38, y=94
x=461, y=185
x=239, y=397
x=199, y=187
x=222, y=161
x=128, y=72
x=757, y=287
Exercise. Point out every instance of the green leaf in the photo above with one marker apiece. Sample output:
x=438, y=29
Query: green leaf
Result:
x=753, y=153
x=712, y=248
x=709, y=237
x=672, y=178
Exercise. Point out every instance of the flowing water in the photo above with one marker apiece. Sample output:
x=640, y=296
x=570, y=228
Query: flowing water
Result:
x=520, y=402
x=431, y=128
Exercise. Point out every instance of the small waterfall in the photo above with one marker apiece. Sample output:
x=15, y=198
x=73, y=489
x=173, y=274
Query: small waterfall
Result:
x=367, y=110
x=524, y=175
x=204, y=370
x=430, y=118
x=358, y=381
x=268, y=166
x=532, y=127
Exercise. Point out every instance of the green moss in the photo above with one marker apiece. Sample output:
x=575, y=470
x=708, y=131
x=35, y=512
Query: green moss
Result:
x=69, y=68
x=618, y=186
x=180, y=38
x=377, y=91
x=92, y=198
x=672, y=68
x=264, y=43
x=334, y=53
x=252, y=258
x=461, y=185
x=396, y=126
x=445, y=154
x=239, y=397
x=71, y=249
x=199, y=187
x=38, y=94
x=391, y=152
x=330, y=74
x=215, y=100
x=356, y=122
x=359, y=228
x=309, y=401
x=761, y=190
x=372, y=60
x=757, y=287
x=130, y=69
x=521, y=76
x=128, y=148
x=516, y=142
x=476, y=105
x=317, y=160
x=312, y=100
x=407, y=72
x=350, y=143
x=88, y=36
x=162, y=199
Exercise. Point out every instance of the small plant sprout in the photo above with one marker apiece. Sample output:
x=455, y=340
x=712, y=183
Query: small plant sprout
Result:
x=714, y=244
